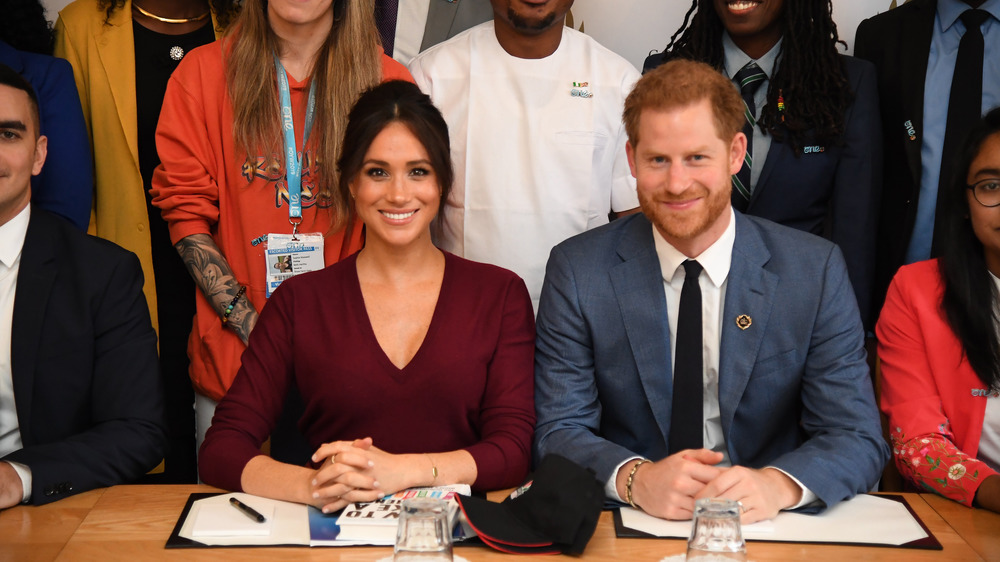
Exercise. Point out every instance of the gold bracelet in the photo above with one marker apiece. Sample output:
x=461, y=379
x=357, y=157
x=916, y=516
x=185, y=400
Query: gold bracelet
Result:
x=628, y=485
x=434, y=469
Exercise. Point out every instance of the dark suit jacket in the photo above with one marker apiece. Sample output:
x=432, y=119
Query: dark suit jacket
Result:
x=898, y=42
x=794, y=390
x=83, y=353
x=65, y=186
x=447, y=19
x=834, y=190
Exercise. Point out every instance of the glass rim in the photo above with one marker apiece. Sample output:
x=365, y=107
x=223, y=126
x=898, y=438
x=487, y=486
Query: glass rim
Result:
x=975, y=191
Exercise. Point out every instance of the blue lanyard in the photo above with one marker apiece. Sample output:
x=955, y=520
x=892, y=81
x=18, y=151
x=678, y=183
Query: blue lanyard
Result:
x=293, y=158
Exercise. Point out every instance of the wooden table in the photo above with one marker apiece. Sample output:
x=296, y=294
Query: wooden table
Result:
x=133, y=523
x=978, y=527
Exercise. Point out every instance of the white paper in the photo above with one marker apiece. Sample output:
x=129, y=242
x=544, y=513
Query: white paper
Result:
x=864, y=519
x=289, y=523
x=227, y=521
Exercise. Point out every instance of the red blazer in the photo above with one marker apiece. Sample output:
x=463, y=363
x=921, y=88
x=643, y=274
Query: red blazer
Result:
x=933, y=398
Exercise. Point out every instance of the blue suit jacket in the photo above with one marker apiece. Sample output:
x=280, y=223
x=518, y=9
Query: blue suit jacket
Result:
x=794, y=390
x=66, y=185
x=833, y=190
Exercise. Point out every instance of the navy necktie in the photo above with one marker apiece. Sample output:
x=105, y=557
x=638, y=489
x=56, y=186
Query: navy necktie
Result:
x=686, y=417
x=749, y=79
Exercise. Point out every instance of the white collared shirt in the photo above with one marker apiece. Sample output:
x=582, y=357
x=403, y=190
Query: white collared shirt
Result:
x=715, y=262
x=12, y=235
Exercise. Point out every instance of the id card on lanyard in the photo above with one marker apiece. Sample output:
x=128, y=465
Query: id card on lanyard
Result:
x=287, y=255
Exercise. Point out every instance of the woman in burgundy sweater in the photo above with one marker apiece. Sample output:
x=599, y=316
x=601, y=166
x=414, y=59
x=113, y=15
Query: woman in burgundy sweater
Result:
x=415, y=366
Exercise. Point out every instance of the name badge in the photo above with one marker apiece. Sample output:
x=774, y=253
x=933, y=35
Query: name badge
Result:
x=286, y=256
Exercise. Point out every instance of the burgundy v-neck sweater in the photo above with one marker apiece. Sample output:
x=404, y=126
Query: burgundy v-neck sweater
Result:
x=470, y=385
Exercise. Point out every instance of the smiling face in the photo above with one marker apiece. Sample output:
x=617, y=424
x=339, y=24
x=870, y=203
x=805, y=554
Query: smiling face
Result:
x=986, y=220
x=22, y=151
x=754, y=25
x=396, y=193
x=683, y=174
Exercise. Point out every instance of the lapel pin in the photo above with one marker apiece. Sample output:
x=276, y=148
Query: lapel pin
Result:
x=743, y=321
x=581, y=90
x=910, y=130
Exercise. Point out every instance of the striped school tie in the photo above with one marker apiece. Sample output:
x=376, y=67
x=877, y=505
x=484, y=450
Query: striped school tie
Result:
x=749, y=78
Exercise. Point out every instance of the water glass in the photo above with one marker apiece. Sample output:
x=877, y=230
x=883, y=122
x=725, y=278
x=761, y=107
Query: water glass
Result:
x=715, y=531
x=423, y=534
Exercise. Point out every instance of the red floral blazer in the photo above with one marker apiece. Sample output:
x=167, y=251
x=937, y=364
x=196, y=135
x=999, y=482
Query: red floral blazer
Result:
x=933, y=398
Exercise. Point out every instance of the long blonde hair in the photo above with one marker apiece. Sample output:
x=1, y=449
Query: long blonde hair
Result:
x=348, y=63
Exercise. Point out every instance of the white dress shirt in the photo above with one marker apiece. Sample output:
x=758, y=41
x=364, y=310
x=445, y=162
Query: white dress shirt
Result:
x=12, y=236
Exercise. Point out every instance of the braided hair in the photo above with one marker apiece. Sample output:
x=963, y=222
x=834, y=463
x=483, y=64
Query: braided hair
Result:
x=810, y=77
x=225, y=10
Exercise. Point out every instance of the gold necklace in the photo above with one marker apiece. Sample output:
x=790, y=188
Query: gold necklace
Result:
x=169, y=20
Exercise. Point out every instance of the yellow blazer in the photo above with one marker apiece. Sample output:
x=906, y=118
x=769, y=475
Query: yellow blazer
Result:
x=103, y=59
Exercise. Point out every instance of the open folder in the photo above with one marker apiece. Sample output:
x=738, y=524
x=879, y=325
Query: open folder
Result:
x=865, y=520
x=208, y=520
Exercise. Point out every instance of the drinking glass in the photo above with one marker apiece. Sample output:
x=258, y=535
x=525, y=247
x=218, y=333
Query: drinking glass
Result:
x=715, y=531
x=423, y=534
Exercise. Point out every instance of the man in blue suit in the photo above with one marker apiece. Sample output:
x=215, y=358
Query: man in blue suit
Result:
x=781, y=413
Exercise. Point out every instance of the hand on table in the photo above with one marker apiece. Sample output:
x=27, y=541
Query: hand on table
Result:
x=988, y=494
x=762, y=492
x=344, y=475
x=668, y=488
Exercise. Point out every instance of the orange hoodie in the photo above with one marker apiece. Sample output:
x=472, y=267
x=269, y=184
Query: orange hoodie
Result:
x=206, y=186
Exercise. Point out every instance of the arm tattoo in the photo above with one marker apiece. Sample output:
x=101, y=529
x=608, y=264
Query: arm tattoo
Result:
x=212, y=274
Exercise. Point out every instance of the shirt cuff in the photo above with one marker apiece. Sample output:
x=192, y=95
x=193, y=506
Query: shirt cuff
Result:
x=611, y=486
x=24, y=473
x=808, y=496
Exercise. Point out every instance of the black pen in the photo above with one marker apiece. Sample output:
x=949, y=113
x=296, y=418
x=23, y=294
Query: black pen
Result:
x=247, y=510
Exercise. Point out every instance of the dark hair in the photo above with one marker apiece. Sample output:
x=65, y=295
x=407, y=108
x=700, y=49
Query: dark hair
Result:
x=8, y=77
x=396, y=101
x=25, y=27
x=225, y=10
x=970, y=295
x=810, y=75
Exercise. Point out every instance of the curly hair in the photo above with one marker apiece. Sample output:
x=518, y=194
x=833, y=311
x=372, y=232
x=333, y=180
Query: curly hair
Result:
x=225, y=10
x=810, y=76
x=25, y=27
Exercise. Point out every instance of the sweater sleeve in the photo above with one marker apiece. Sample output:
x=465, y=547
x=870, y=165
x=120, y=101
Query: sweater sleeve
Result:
x=503, y=453
x=247, y=413
x=185, y=184
x=923, y=444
